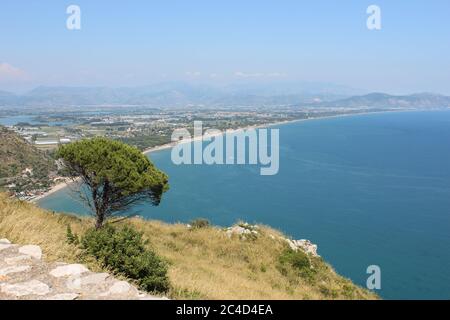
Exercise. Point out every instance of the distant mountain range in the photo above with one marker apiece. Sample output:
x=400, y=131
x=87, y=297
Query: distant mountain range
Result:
x=176, y=94
x=179, y=94
x=382, y=100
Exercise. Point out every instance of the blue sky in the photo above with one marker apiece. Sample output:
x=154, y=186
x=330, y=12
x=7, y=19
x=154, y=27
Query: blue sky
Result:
x=142, y=42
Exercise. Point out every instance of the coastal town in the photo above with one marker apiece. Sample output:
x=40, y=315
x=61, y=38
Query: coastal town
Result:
x=145, y=128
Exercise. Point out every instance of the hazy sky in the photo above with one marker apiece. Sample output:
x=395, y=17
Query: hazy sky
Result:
x=221, y=41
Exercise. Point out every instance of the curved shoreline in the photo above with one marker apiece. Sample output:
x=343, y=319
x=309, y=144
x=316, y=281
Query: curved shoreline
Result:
x=261, y=126
x=57, y=187
x=60, y=186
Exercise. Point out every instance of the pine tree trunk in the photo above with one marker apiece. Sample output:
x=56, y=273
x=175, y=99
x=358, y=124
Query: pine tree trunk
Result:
x=99, y=212
x=100, y=217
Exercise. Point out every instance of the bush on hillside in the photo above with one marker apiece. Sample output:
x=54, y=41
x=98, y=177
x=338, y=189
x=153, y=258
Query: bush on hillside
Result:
x=72, y=238
x=200, y=223
x=123, y=251
x=298, y=260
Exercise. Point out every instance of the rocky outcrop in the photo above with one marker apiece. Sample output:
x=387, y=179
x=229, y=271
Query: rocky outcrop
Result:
x=304, y=245
x=244, y=231
x=247, y=231
x=24, y=275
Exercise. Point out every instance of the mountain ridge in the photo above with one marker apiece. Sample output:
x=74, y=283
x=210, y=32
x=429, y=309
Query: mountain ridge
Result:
x=384, y=100
x=179, y=94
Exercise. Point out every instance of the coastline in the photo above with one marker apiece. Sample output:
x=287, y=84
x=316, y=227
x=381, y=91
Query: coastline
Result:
x=55, y=188
x=259, y=126
x=206, y=136
x=61, y=185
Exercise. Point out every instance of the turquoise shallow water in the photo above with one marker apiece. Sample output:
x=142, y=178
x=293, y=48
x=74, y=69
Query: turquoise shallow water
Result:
x=368, y=189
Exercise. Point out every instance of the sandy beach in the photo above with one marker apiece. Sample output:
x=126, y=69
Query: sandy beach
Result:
x=267, y=125
x=53, y=189
x=228, y=131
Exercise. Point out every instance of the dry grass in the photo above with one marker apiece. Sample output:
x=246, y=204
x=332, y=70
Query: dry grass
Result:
x=204, y=263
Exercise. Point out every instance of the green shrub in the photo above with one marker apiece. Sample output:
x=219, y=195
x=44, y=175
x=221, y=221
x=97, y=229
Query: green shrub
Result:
x=298, y=260
x=72, y=238
x=200, y=223
x=123, y=251
x=263, y=268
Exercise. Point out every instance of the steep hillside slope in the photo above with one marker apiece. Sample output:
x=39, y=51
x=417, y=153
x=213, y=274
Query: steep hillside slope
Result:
x=203, y=263
x=16, y=156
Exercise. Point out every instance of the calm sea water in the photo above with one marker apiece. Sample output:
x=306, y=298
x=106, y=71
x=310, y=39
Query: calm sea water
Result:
x=368, y=189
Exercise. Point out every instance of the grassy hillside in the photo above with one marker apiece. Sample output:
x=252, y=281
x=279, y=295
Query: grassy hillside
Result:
x=203, y=263
x=16, y=155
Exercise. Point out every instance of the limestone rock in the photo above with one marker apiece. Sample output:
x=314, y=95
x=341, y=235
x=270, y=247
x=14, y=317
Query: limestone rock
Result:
x=18, y=259
x=120, y=287
x=95, y=278
x=24, y=275
x=304, y=245
x=147, y=297
x=64, y=296
x=68, y=270
x=243, y=230
x=5, y=241
x=33, y=287
x=31, y=250
x=13, y=269
x=4, y=246
x=77, y=283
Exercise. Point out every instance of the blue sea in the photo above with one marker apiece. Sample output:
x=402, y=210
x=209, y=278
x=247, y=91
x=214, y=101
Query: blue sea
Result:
x=368, y=189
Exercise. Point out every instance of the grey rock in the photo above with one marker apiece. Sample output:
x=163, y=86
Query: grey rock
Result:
x=4, y=246
x=68, y=270
x=13, y=269
x=120, y=287
x=244, y=231
x=95, y=278
x=147, y=297
x=64, y=296
x=76, y=283
x=237, y=230
x=33, y=287
x=18, y=259
x=24, y=275
x=31, y=250
x=304, y=245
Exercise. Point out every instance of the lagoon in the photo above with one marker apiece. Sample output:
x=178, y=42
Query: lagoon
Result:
x=31, y=119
